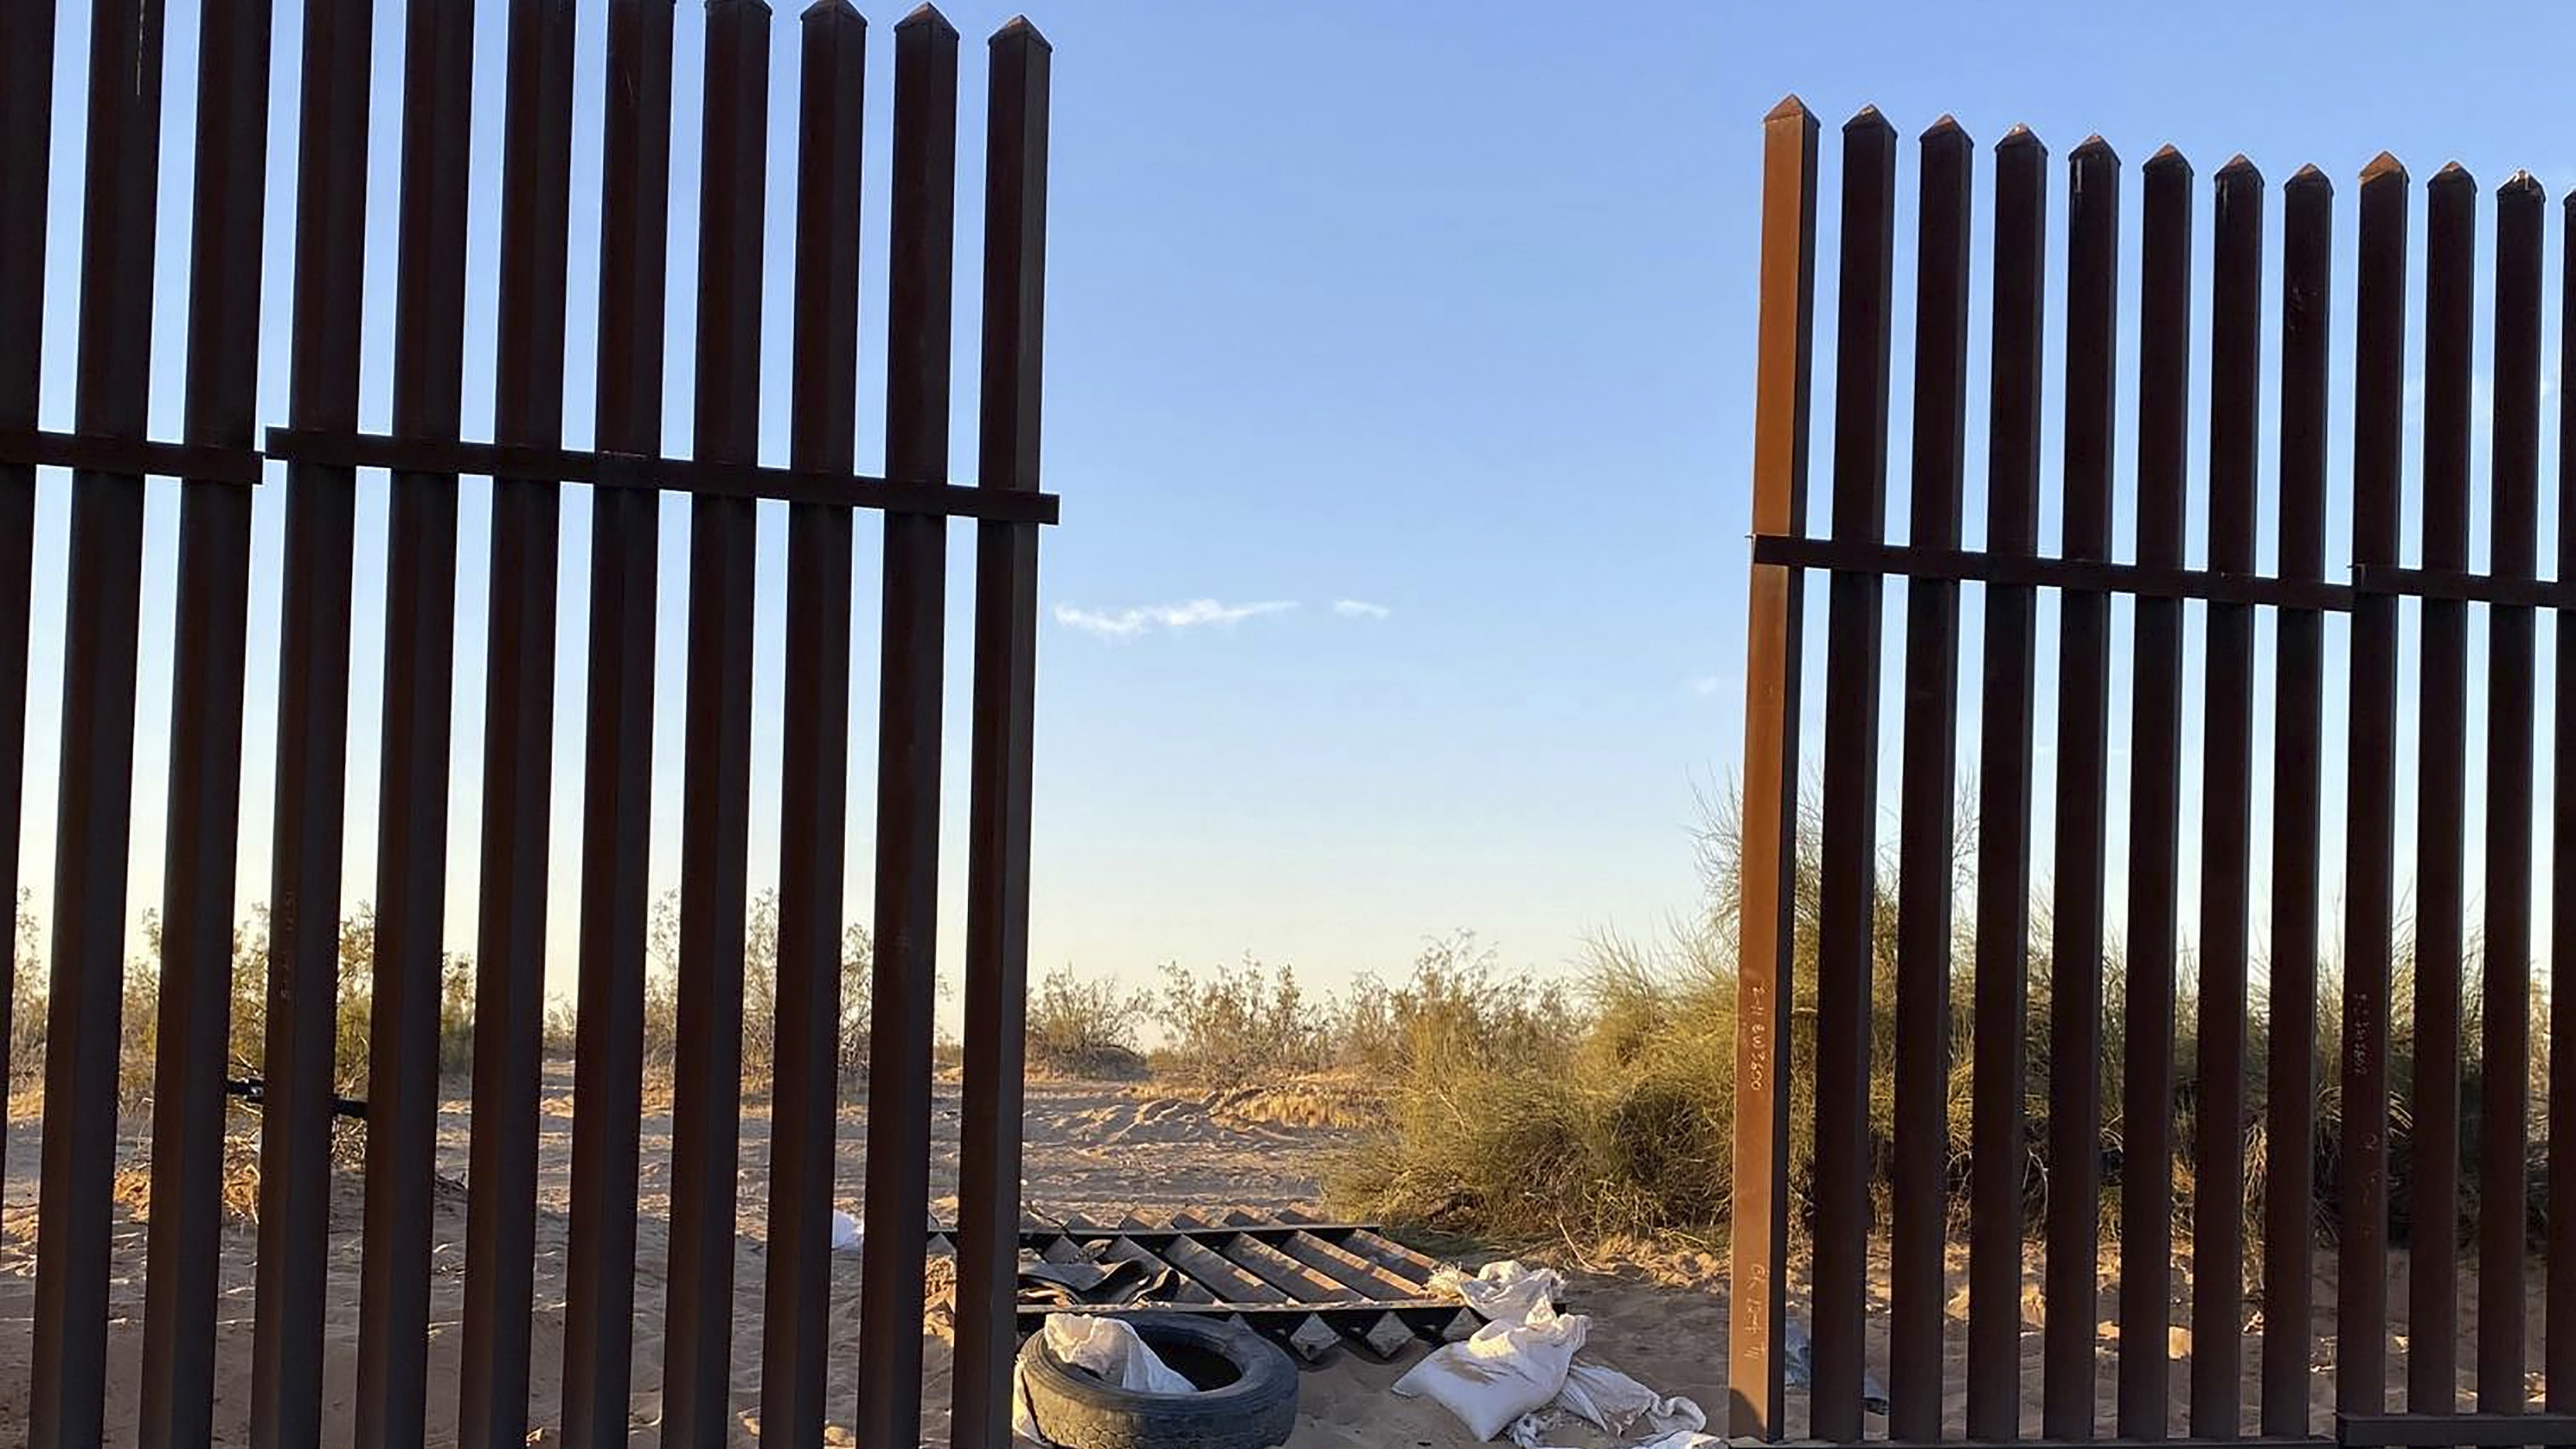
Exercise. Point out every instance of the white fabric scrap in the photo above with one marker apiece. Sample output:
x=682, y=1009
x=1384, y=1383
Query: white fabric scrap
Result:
x=1108, y=1347
x=1519, y=1373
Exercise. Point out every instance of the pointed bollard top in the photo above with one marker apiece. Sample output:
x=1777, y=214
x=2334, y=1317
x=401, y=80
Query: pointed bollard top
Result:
x=2240, y=170
x=2522, y=186
x=2452, y=175
x=2093, y=148
x=926, y=14
x=2021, y=138
x=1867, y=118
x=2168, y=161
x=1018, y=28
x=2383, y=167
x=2309, y=178
x=1948, y=132
x=832, y=10
x=1790, y=108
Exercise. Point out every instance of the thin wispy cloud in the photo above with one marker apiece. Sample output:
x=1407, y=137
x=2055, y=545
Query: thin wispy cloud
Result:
x=1129, y=623
x=1360, y=609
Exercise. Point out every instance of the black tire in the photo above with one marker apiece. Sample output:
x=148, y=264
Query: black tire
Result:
x=1256, y=1409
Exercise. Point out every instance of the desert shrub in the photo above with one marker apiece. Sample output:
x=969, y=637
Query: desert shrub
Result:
x=1456, y=1009
x=662, y=1024
x=1084, y=1028
x=858, y=986
x=1234, y=1025
x=26, y=1042
x=561, y=1033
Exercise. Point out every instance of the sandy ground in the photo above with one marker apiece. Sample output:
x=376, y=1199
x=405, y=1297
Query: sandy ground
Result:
x=1094, y=1150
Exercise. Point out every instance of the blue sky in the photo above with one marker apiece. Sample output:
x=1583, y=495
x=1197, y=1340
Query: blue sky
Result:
x=1399, y=393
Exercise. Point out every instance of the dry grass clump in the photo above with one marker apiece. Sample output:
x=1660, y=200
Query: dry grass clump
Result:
x=1615, y=1119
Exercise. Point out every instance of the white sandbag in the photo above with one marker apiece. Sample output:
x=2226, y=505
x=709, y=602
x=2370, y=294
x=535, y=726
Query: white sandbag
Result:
x=1503, y=1292
x=1527, y=1347
x=1108, y=1347
x=845, y=1232
x=1506, y=1370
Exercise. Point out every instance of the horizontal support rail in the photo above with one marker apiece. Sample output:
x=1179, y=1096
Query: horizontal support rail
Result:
x=2419, y=1431
x=704, y=477
x=131, y=457
x=2456, y=586
x=2107, y=1442
x=2090, y=575
x=208, y=463
x=1896, y=560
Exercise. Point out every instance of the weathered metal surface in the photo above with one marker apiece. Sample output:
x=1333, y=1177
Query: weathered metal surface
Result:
x=919, y=263
x=518, y=737
x=1847, y=937
x=2083, y=770
x=2004, y=797
x=1927, y=860
x=2227, y=822
x=1767, y=908
x=2155, y=801
x=1006, y=628
x=207, y=686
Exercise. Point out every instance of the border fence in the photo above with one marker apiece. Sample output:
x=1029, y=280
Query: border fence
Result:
x=2207, y=799
x=223, y=458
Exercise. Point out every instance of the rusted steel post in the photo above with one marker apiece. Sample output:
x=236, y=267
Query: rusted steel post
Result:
x=617, y=789
x=2370, y=873
x=715, y=810
x=420, y=655
x=1846, y=938
x=2289, y=1223
x=312, y=737
x=93, y=829
x=919, y=263
x=2155, y=796
x=2083, y=763
x=2441, y=877
x=2558, y=1329
x=1006, y=622
x=2504, y=1090
x=814, y=768
x=1927, y=864
x=26, y=142
x=2004, y=796
x=2227, y=825
x=204, y=837
x=1766, y=924
x=518, y=737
